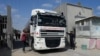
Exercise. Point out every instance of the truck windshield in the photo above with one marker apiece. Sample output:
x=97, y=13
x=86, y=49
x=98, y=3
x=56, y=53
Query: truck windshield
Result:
x=48, y=20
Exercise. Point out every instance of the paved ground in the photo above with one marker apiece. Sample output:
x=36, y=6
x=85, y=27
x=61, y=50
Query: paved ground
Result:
x=58, y=52
x=61, y=52
x=17, y=51
x=69, y=52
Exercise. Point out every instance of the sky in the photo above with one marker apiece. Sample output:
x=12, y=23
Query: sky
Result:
x=21, y=9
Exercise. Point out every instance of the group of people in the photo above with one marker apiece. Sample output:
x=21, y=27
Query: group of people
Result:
x=17, y=35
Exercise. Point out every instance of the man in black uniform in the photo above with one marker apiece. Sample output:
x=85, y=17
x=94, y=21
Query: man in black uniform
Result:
x=72, y=39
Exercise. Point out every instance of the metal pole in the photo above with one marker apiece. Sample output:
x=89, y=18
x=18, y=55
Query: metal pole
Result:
x=90, y=28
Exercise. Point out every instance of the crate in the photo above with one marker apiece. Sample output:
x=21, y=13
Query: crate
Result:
x=84, y=47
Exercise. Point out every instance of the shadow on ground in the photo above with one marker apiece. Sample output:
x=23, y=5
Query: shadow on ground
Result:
x=17, y=44
x=5, y=51
x=55, y=50
x=52, y=51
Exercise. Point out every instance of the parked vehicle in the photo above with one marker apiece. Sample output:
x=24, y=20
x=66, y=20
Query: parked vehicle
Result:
x=47, y=29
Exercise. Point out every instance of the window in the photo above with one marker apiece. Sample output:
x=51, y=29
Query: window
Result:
x=86, y=28
x=4, y=25
x=49, y=20
x=82, y=22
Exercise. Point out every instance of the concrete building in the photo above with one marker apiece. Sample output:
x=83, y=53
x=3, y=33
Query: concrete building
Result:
x=88, y=28
x=74, y=13
x=88, y=32
x=3, y=26
x=3, y=23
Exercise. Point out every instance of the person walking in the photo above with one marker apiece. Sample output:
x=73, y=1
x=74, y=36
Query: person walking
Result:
x=72, y=39
x=23, y=39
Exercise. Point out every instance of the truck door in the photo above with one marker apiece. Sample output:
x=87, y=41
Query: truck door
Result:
x=33, y=24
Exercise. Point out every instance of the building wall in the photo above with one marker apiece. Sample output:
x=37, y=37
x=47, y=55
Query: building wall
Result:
x=88, y=37
x=77, y=13
x=3, y=25
x=73, y=13
x=95, y=28
x=83, y=28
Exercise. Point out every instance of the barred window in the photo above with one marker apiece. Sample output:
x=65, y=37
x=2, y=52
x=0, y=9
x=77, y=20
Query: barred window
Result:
x=86, y=28
x=79, y=28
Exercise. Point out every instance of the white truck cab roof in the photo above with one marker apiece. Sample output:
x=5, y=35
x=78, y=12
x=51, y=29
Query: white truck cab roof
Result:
x=35, y=11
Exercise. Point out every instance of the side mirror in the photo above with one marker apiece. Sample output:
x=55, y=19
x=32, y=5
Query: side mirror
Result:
x=31, y=18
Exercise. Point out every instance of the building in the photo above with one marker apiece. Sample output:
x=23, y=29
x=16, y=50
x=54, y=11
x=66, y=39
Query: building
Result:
x=88, y=28
x=3, y=23
x=74, y=13
x=88, y=31
x=3, y=26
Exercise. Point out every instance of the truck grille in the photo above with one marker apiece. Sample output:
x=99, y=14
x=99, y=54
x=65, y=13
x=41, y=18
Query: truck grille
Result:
x=52, y=33
x=52, y=42
x=52, y=30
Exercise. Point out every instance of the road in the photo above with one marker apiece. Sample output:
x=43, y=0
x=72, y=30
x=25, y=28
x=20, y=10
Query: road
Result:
x=57, y=52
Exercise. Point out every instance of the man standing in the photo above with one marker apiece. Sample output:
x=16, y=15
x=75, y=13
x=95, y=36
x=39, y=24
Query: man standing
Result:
x=23, y=39
x=72, y=39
